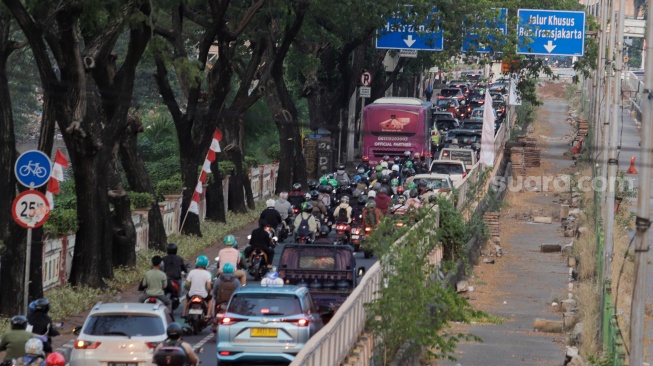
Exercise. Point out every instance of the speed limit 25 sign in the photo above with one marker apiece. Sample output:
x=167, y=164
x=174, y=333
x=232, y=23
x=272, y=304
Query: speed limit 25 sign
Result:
x=30, y=209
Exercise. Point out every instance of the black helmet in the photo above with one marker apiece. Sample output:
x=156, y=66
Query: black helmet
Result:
x=422, y=183
x=397, y=160
x=362, y=199
x=385, y=179
x=172, y=248
x=19, y=322
x=343, y=183
x=424, y=165
x=341, y=166
x=174, y=330
x=413, y=192
x=324, y=230
x=307, y=207
x=386, y=157
x=312, y=184
x=315, y=194
x=384, y=190
x=42, y=305
x=322, y=188
x=329, y=188
x=297, y=187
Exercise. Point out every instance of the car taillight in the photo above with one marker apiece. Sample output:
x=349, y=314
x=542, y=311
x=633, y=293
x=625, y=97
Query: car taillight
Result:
x=464, y=175
x=151, y=345
x=86, y=345
x=229, y=321
x=224, y=353
x=299, y=323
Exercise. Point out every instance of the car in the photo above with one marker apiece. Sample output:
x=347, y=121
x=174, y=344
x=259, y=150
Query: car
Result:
x=440, y=184
x=464, y=139
x=119, y=334
x=438, y=115
x=446, y=124
x=472, y=124
x=499, y=108
x=477, y=113
x=267, y=324
x=476, y=99
x=464, y=87
x=456, y=93
x=456, y=170
x=451, y=105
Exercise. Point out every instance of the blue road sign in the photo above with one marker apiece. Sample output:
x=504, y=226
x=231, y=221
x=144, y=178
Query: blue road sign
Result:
x=550, y=32
x=500, y=24
x=33, y=168
x=398, y=35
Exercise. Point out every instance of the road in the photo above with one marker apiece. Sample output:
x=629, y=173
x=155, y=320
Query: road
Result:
x=207, y=339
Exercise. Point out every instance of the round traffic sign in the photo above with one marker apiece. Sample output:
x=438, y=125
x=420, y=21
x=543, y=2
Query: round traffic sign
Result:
x=366, y=78
x=30, y=209
x=33, y=168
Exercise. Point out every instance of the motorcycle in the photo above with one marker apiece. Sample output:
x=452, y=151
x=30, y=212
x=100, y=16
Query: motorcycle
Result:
x=258, y=266
x=197, y=311
x=173, y=291
x=367, y=253
x=357, y=236
x=343, y=233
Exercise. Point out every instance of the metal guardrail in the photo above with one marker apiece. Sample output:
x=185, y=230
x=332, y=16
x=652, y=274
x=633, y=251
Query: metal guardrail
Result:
x=331, y=345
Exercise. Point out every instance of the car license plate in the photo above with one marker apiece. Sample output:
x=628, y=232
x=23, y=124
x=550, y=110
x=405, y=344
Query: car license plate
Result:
x=123, y=363
x=195, y=311
x=263, y=332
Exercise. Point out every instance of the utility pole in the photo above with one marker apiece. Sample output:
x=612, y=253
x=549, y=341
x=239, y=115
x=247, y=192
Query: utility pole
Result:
x=643, y=220
x=610, y=79
x=613, y=161
x=599, y=76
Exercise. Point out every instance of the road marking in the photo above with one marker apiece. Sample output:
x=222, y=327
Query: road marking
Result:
x=203, y=341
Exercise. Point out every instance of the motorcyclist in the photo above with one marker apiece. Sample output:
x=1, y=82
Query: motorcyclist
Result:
x=383, y=200
x=34, y=354
x=13, y=342
x=174, y=339
x=365, y=163
x=400, y=207
x=413, y=203
x=41, y=323
x=341, y=174
x=394, y=185
x=394, y=171
x=305, y=223
x=231, y=255
x=357, y=210
x=354, y=187
x=371, y=214
x=225, y=284
x=296, y=197
x=312, y=184
x=154, y=283
x=319, y=209
x=198, y=282
x=343, y=190
x=386, y=168
x=377, y=173
x=385, y=183
x=260, y=239
x=174, y=266
x=342, y=213
x=272, y=279
x=325, y=195
x=323, y=237
x=271, y=216
x=283, y=207
x=406, y=157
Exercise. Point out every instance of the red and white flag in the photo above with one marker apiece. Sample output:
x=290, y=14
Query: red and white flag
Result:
x=194, y=206
x=57, y=176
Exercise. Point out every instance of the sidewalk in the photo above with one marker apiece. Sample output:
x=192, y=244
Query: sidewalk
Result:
x=64, y=343
x=521, y=285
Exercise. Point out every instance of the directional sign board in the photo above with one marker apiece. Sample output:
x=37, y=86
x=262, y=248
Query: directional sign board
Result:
x=500, y=24
x=30, y=209
x=550, y=32
x=33, y=168
x=396, y=34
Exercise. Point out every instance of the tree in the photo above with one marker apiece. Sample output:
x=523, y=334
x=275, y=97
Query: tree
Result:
x=90, y=99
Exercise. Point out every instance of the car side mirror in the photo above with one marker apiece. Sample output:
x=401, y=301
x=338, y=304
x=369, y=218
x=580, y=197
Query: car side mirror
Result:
x=361, y=271
x=77, y=330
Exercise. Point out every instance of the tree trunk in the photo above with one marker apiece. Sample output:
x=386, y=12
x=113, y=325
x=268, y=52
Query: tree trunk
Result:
x=214, y=196
x=93, y=264
x=190, y=221
x=139, y=181
x=124, y=232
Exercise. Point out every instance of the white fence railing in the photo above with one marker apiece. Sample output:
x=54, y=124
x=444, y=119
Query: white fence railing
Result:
x=58, y=251
x=331, y=345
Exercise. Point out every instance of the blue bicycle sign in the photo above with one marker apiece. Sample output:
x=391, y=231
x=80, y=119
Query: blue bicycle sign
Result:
x=33, y=168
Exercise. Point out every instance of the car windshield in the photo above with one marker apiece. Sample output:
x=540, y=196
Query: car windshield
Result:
x=447, y=169
x=444, y=103
x=446, y=125
x=130, y=325
x=477, y=113
x=264, y=304
x=464, y=138
x=472, y=125
x=439, y=116
x=449, y=92
x=437, y=184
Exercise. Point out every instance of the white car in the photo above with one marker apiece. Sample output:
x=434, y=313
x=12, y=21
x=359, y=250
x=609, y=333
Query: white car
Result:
x=119, y=334
x=438, y=184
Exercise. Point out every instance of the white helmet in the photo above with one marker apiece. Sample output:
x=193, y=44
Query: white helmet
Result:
x=270, y=203
x=34, y=346
x=395, y=168
x=384, y=164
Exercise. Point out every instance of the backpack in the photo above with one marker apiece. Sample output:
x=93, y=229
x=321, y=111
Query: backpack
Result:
x=226, y=288
x=342, y=214
x=35, y=361
x=303, y=228
x=172, y=353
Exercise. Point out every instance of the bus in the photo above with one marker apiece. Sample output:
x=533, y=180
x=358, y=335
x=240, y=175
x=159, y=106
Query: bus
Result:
x=393, y=125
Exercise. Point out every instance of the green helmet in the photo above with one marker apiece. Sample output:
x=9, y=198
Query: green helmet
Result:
x=411, y=185
x=228, y=268
x=229, y=240
x=333, y=182
x=394, y=182
x=324, y=181
x=202, y=262
x=379, y=168
x=409, y=164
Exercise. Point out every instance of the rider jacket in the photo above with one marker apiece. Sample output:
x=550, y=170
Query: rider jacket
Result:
x=42, y=324
x=383, y=202
x=173, y=266
x=283, y=207
x=271, y=217
x=260, y=238
x=319, y=210
x=296, y=198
